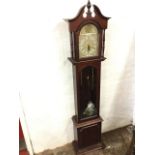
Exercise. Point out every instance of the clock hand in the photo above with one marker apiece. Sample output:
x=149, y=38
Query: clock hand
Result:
x=88, y=48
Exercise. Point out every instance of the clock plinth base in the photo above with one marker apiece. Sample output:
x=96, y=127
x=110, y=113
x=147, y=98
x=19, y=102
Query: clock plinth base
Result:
x=87, y=149
x=87, y=135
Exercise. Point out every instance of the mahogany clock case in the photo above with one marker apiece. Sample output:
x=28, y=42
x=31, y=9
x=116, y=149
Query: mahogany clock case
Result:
x=75, y=25
x=86, y=89
x=86, y=78
x=87, y=135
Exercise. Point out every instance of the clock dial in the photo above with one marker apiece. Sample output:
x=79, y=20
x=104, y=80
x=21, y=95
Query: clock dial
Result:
x=88, y=41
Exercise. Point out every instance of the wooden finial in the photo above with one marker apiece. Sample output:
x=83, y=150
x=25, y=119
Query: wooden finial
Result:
x=89, y=4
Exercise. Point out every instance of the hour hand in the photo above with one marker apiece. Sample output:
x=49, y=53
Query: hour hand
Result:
x=88, y=48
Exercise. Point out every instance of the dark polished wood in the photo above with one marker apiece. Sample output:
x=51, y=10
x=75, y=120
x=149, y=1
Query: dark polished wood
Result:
x=87, y=135
x=86, y=79
x=79, y=125
x=74, y=62
x=78, y=22
x=75, y=22
x=77, y=69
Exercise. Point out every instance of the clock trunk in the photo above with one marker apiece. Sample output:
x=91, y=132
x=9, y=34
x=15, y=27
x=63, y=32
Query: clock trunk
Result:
x=87, y=88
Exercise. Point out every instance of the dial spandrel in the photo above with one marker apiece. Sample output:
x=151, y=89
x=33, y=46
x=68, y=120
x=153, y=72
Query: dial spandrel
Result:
x=88, y=41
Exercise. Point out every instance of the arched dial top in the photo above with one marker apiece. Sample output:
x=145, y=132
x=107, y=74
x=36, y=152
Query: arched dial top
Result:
x=88, y=41
x=87, y=34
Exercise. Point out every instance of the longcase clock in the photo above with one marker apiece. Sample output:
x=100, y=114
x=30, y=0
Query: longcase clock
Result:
x=87, y=36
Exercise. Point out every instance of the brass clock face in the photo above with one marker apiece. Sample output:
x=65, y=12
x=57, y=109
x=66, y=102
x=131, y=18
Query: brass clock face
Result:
x=88, y=41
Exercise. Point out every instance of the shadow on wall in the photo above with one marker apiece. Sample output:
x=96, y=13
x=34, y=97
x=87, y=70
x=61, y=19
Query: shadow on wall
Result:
x=61, y=41
x=120, y=110
x=65, y=103
x=124, y=97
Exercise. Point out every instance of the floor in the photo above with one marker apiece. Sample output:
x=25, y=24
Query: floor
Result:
x=117, y=142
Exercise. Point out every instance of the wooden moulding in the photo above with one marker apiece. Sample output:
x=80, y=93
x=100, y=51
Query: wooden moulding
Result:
x=82, y=124
x=74, y=62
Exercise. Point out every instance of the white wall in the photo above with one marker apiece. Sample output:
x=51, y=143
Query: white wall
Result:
x=46, y=86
